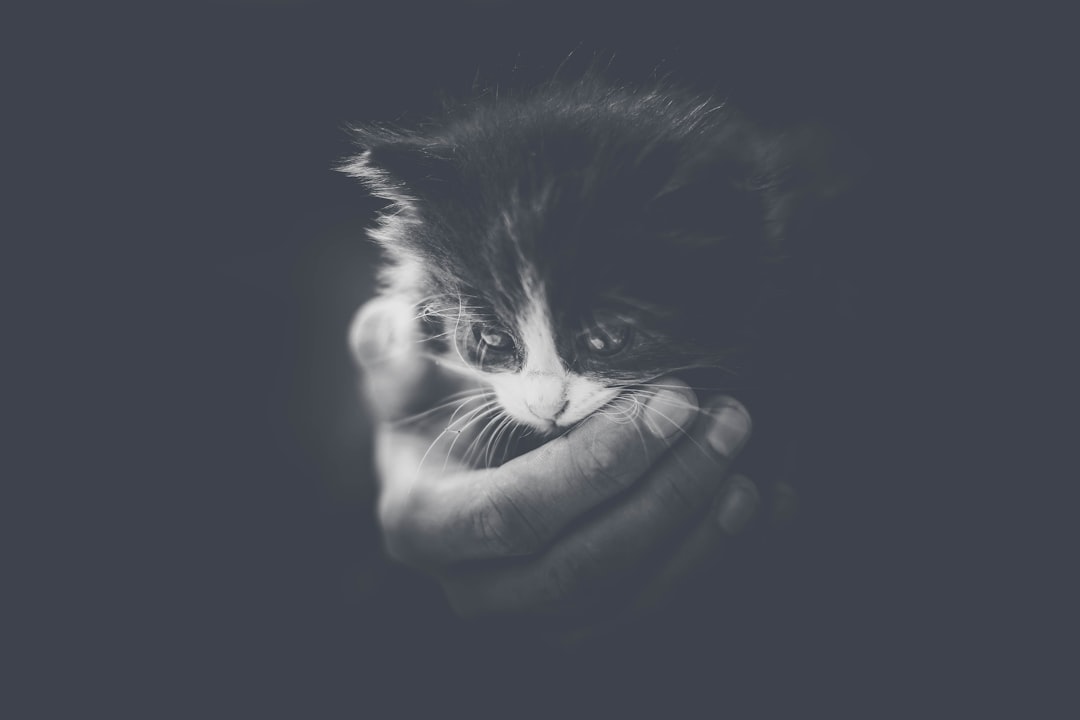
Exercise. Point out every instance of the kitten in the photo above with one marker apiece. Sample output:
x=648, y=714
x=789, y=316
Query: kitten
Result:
x=567, y=245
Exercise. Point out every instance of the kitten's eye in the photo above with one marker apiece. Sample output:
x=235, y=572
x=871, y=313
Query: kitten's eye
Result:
x=496, y=339
x=607, y=339
x=487, y=347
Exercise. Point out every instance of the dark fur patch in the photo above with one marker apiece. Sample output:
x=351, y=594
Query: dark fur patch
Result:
x=665, y=207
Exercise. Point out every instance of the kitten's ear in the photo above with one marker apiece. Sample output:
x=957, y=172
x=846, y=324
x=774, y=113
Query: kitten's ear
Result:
x=812, y=173
x=404, y=169
x=706, y=199
x=755, y=184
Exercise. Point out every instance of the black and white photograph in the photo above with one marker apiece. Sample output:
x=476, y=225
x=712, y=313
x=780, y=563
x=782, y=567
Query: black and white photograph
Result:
x=496, y=358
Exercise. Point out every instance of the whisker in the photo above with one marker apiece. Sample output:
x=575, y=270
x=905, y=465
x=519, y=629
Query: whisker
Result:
x=453, y=415
x=648, y=409
x=477, y=412
x=645, y=409
x=695, y=388
x=481, y=438
x=637, y=428
x=485, y=410
x=467, y=421
x=463, y=397
x=493, y=443
x=619, y=414
x=513, y=437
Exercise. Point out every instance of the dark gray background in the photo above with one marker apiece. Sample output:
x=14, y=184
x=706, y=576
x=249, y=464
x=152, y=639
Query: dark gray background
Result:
x=209, y=547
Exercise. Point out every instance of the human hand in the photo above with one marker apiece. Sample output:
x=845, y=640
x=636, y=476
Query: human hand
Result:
x=613, y=514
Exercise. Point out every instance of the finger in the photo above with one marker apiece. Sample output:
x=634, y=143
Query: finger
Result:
x=739, y=505
x=520, y=507
x=583, y=566
x=733, y=511
x=735, y=506
x=382, y=332
x=398, y=378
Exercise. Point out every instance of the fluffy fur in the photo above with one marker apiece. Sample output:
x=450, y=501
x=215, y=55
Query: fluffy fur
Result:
x=570, y=243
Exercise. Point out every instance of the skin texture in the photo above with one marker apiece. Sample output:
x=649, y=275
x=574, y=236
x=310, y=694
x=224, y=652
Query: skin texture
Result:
x=606, y=519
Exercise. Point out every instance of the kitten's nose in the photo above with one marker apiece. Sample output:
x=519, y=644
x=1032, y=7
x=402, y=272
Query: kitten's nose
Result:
x=545, y=396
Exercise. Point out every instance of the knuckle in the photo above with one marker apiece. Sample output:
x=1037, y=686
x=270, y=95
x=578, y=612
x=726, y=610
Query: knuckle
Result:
x=598, y=461
x=505, y=525
x=683, y=495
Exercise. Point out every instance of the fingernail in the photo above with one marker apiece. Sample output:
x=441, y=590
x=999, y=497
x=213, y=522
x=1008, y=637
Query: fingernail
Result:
x=668, y=412
x=377, y=332
x=737, y=505
x=367, y=339
x=371, y=350
x=730, y=427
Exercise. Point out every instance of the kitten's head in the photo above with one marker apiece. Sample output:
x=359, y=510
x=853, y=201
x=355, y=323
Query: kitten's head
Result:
x=586, y=238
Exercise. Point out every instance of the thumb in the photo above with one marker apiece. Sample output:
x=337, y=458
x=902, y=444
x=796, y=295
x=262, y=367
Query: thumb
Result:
x=396, y=375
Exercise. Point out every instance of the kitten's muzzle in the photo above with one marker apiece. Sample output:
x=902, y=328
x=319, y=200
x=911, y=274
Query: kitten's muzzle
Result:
x=545, y=397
